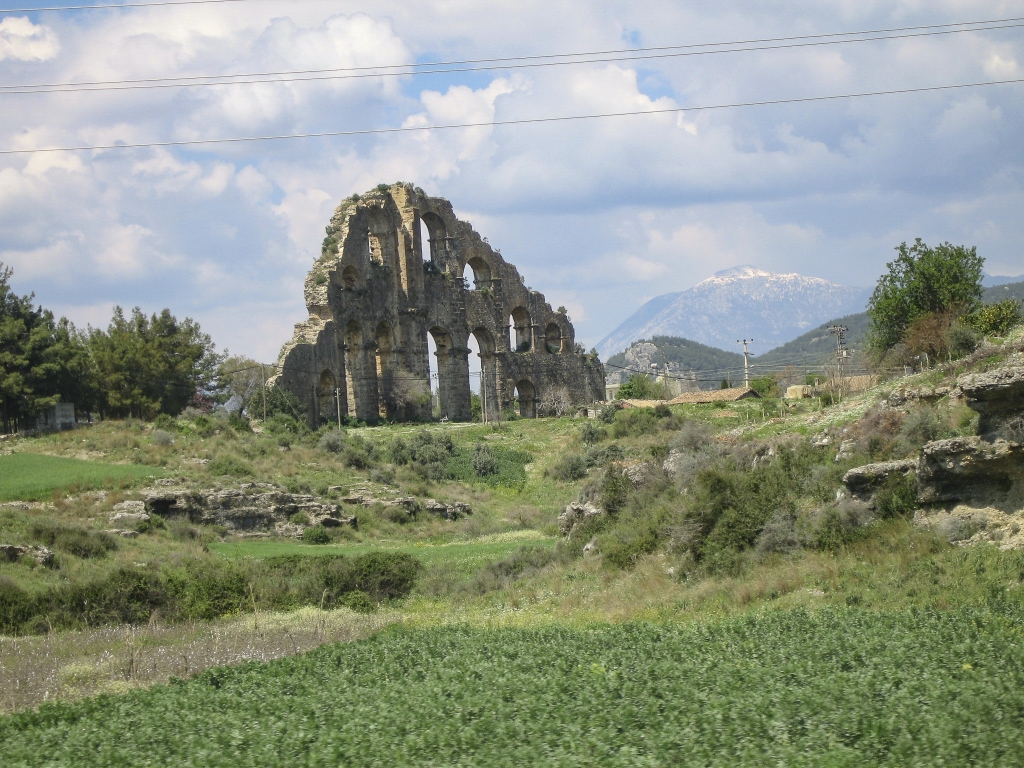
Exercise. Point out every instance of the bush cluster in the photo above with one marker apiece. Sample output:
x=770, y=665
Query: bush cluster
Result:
x=207, y=589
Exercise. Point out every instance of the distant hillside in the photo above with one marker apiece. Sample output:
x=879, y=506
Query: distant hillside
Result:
x=819, y=345
x=687, y=355
x=1000, y=292
x=737, y=303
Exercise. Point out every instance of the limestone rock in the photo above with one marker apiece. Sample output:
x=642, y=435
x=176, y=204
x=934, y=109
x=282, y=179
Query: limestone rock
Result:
x=124, y=533
x=240, y=510
x=590, y=549
x=576, y=514
x=131, y=508
x=846, y=450
x=997, y=395
x=639, y=474
x=452, y=511
x=970, y=468
x=864, y=481
x=12, y=552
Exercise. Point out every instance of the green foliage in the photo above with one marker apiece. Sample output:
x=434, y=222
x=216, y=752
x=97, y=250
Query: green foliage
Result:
x=316, y=534
x=509, y=466
x=615, y=489
x=229, y=464
x=73, y=540
x=499, y=574
x=484, y=461
x=332, y=441
x=751, y=691
x=923, y=280
x=282, y=403
x=765, y=386
x=897, y=497
x=919, y=427
x=590, y=433
x=996, y=319
x=634, y=422
x=148, y=365
x=430, y=452
x=43, y=361
x=207, y=589
x=35, y=477
x=570, y=468
x=641, y=387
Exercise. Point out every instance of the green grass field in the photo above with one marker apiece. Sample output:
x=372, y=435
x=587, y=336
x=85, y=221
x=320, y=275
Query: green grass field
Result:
x=463, y=557
x=837, y=687
x=34, y=477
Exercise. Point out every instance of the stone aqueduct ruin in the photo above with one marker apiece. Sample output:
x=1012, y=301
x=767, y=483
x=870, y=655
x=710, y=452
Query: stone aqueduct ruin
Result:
x=378, y=290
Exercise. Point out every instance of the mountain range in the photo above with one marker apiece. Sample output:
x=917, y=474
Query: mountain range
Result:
x=742, y=302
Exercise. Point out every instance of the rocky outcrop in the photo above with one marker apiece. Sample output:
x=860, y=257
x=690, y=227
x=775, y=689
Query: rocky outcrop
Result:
x=453, y=511
x=998, y=396
x=639, y=474
x=575, y=515
x=247, y=509
x=970, y=469
x=863, y=481
x=13, y=552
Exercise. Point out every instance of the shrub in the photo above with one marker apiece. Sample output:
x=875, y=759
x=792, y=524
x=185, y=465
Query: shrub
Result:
x=299, y=518
x=765, y=386
x=499, y=574
x=358, y=453
x=779, y=534
x=316, y=534
x=159, y=437
x=484, y=463
x=332, y=442
x=897, y=497
x=570, y=468
x=919, y=427
x=384, y=475
x=615, y=488
x=166, y=422
x=635, y=421
x=691, y=437
x=641, y=387
x=73, y=540
x=832, y=532
x=996, y=319
x=591, y=433
x=608, y=413
x=398, y=452
x=229, y=464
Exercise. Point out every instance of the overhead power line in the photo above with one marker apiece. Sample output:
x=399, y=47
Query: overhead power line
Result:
x=118, y=5
x=499, y=123
x=482, y=65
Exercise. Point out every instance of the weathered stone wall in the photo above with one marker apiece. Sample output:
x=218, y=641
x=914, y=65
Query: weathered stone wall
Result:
x=377, y=291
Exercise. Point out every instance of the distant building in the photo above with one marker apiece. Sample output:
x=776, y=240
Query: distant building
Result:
x=56, y=418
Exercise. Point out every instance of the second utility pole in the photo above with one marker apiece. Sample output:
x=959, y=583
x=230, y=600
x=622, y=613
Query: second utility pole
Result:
x=746, y=361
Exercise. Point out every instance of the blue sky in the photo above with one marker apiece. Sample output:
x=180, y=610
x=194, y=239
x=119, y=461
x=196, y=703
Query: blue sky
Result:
x=599, y=215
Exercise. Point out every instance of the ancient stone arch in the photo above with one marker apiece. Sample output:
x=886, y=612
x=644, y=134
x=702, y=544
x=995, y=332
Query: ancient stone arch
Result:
x=378, y=290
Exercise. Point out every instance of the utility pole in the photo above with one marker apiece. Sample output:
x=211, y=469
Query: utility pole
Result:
x=263, y=374
x=746, y=361
x=839, y=331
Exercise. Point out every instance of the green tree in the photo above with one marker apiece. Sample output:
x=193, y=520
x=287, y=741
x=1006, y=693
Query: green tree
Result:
x=42, y=361
x=641, y=387
x=150, y=365
x=243, y=378
x=923, y=280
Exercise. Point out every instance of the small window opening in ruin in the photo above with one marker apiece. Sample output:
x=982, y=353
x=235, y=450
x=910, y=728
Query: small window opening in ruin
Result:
x=426, y=247
x=479, y=272
x=522, y=334
x=376, y=251
x=349, y=277
x=553, y=338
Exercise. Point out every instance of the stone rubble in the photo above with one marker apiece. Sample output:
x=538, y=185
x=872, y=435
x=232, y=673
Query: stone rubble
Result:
x=12, y=552
x=575, y=514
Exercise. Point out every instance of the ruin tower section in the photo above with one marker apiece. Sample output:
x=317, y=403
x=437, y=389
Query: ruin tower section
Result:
x=398, y=266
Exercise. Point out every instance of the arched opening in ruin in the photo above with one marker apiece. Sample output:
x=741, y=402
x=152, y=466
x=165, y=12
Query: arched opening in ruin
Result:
x=349, y=278
x=482, y=343
x=526, y=399
x=375, y=250
x=433, y=237
x=477, y=273
x=353, y=351
x=520, y=322
x=553, y=338
x=442, y=365
x=385, y=370
x=325, y=398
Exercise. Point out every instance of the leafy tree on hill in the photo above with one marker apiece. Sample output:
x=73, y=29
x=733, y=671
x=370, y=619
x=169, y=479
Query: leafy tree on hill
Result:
x=150, y=365
x=945, y=280
x=42, y=360
x=640, y=387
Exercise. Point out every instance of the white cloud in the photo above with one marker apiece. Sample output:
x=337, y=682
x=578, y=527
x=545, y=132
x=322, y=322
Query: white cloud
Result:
x=21, y=40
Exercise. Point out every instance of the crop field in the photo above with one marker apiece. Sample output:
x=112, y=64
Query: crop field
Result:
x=34, y=477
x=464, y=556
x=837, y=687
